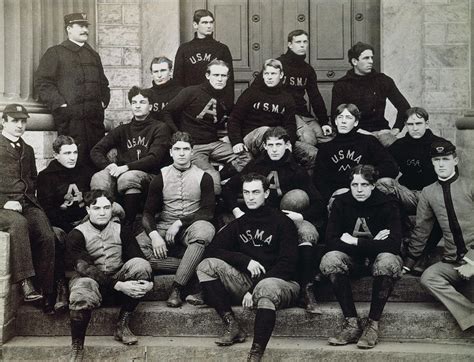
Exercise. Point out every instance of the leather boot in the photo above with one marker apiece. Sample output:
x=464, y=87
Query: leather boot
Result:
x=123, y=332
x=350, y=332
x=232, y=333
x=370, y=335
x=77, y=350
x=29, y=292
x=174, y=299
x=62, y=296
x=48, y=304
x=195, y=299
x=308, y=301
x=256, y=353
x=79, y=320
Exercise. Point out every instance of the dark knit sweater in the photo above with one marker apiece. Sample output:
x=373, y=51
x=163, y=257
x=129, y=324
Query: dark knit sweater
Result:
x=300, y=78
x=283, y=175
x=370, y=93
x=336, y=158
x=198, y=110
x=141, y=145
x=364, y=220
x=413, y=158
x=260, y=106
x=161, y=95
x=192, y=58
x=60, y=193
x=265, y=235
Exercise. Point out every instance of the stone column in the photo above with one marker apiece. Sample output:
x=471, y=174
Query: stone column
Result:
x=465, y=144
x=7, y=308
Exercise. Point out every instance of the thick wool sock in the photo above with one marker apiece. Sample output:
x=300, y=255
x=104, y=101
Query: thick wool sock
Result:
x=341, y=286
x=191, y=258
x=263, y=327
x=216, y=296
x=79, y=321
x=131, y=205
x=381, y=289
x=306, y=264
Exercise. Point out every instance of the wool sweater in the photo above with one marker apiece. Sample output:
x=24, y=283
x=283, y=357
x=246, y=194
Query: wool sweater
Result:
x=370, y=93
x=300, y=78
x=161, y=95
x=141, y=145
x=199, y=110
x=413, y=158
x=364, y=220
x=259, y=106
x=192, y=58
x=265, y=235
x=336, y=158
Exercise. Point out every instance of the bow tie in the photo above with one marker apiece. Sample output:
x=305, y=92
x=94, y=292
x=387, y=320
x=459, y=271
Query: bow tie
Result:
x=16, y=144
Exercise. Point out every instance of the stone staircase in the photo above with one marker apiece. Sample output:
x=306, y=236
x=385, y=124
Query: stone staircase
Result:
x=414, y=327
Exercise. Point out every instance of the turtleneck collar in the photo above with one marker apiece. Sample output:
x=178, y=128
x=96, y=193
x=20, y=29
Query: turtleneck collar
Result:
x=208, y=88
x=138, y=125
x=206, y=38
x=162, y=87
x=293, y=57
x=351, y=134
x=285, y=159
x=426, y=138
x=261, y=211
x=449, y=180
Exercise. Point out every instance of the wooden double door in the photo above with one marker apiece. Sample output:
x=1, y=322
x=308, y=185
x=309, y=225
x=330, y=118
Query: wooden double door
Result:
x=256, y=30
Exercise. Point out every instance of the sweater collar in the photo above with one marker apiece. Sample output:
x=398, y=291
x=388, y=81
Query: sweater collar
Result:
x=263, y=210
x=293, y=57
x=426, y=138
x=162, y=87
x=205, y=39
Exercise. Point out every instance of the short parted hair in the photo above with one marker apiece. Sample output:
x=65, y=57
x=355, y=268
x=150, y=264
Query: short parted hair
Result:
x=183, y=137
x=272, y=63
x=357, y=49
x=254, y=176
x=418, y=111
x=277, y=132
x=159, y=60
x=216, y=62
x=297, y=32
x=134, y=91
x=90, y=197
x=62, y=140
x=201, y=13
x=368, y=172
x=352, y=108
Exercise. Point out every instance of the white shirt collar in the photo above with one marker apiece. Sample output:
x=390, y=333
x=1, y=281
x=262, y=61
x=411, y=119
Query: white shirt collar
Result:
x=76, y=42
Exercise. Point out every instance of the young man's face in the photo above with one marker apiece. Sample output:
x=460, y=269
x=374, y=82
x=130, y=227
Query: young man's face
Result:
x=272, y=76
x=181, y=153
x=444, y=166
x=299, y=44
x=345, y=122
x=161, y=73
x=67, y=155
x=141, y=107
x=416, y=126
x=100, y=213
x=217, y=76
x=14, y=127
x=78, y=32
x=254, y=195
x=205, y=27
x=276, y=148
x=364, y=64
x=361, y=189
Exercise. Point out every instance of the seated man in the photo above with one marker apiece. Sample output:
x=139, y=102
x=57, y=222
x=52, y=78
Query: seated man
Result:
x=450, y=202
x=199, y=110
x=348, y=149
x=183, y=196
x=363, y=229
x=252, y=261
x=266, y=104
x=284, y=175
x=32, y=250
x=142, y=149
x=109, y=266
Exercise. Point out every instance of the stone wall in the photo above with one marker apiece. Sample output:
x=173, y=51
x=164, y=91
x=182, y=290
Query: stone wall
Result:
x=7, y=308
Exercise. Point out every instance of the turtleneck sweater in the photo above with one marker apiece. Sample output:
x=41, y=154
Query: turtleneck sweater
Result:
x=300, y=78
x=265, y=235
x=161, y=95
x=336, y=158
x=259, y=106
x=141, y=145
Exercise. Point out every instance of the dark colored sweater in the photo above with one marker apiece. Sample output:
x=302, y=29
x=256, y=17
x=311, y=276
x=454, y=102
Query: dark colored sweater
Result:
x=364, y=220
x=265, y=235
x=161, y=95
x=198, y=110
x=336, y=158
x=60, y=193
x=370, y=93
x=283, y=175
x=300, y=78
x=192, y=58
x=413, y=158
x=141, y=145
x=260, y=106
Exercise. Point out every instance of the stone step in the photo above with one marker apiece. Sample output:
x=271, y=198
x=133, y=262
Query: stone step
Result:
x=400, y=320
x=204, y=349
x=407, y=289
